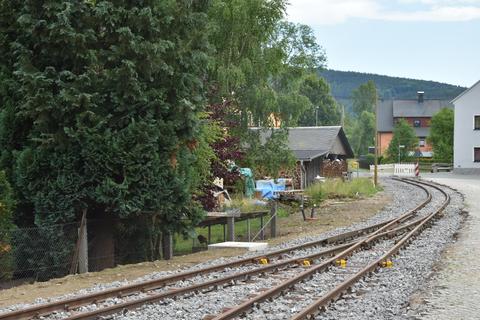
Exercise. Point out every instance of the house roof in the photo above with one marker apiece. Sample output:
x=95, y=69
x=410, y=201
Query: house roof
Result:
x=385, y=116
x=308, y=143
x=388, y=110
x=466, y=91
x=412, y=108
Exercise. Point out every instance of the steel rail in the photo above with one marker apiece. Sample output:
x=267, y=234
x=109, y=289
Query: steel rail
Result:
x=315, y=307
x=74, y=302
x=228, y=279
x=248, y=304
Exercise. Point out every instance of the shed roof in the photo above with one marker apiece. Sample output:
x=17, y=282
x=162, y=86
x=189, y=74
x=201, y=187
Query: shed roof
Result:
x=308, y=143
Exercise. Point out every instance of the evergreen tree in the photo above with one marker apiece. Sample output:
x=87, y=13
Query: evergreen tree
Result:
x=441, y=135
x=324, y=110
x=363, y=133
x=365, y=98
x=7, y=227
x=403, y=143
x=106, y=103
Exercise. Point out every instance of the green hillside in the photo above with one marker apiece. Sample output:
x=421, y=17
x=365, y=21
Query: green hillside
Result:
x=344, y=82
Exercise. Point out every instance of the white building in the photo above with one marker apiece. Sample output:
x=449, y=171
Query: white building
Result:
x=466, y=149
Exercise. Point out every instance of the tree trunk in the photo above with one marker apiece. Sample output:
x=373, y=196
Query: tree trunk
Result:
x=102, y=246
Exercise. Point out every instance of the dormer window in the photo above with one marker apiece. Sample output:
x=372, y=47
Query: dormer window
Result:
x=476, y=123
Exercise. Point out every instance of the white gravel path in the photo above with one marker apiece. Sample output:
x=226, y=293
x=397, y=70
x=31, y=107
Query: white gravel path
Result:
x=454, y=291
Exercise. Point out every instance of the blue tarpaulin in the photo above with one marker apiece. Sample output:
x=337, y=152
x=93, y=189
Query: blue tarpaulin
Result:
x=268, y=187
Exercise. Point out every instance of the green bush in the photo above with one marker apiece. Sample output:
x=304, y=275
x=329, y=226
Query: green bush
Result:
x=366, y=161
x=338, y=189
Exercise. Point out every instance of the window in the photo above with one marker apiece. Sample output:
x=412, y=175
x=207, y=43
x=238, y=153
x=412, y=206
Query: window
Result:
x=476, y=154
x=421, y=142
x=477, y=123
x=416, y=123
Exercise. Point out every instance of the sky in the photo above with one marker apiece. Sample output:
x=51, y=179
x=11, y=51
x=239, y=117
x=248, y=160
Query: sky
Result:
x=421, y=39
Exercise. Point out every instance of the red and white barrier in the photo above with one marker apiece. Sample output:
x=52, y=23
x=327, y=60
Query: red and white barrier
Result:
x=404, y=169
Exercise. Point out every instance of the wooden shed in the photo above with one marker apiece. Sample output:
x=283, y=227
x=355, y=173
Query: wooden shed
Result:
x=320, y=151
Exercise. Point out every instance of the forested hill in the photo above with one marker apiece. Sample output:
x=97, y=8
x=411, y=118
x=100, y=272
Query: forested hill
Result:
x=344, y=82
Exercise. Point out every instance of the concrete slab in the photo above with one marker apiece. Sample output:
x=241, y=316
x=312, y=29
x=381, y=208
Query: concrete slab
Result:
x=250, y=246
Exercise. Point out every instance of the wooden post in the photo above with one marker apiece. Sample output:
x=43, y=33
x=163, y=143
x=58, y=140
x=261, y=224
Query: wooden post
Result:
x=167, y=245
x=77, y=255
x=262, y=233
x=273, y=219
x=83, y=249
x=248, y=230
x=231, y=228
x=209, y=234
x=302, y=205
x=224, y=233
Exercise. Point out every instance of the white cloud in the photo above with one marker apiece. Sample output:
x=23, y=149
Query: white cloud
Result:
x=321, y=12
x=442, y=2
x=439, y=14
x=330, y=11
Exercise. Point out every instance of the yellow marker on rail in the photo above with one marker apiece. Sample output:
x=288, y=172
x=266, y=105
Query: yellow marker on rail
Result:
x=342, y=263
x=387, y=264
x=263, y=261
x=306, y=263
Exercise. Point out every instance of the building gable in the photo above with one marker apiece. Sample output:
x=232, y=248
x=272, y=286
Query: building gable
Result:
x=467, y=92
x=308, y=143
x=466, y=136
x=339, y=147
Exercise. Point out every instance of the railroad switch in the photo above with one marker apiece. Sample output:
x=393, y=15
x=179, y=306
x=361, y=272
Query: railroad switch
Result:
x=263, y=261
x=387, y=264
x=342, y=263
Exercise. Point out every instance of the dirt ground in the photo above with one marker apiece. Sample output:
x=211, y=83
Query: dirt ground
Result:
x=331, y=215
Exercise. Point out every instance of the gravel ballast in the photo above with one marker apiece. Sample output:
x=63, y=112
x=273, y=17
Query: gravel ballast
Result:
x=384, y=295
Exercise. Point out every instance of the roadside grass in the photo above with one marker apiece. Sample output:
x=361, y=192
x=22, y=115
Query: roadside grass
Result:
x=183, y=245
x=330, y=189
x=338, y=189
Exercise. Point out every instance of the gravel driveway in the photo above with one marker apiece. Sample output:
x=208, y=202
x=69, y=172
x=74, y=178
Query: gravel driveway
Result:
x=454, y=291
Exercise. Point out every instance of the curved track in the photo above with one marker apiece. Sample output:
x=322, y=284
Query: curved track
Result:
x=359, y=239
x=409, y=230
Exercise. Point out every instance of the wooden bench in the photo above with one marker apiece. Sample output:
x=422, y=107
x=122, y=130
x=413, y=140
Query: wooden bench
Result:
x=437, y=167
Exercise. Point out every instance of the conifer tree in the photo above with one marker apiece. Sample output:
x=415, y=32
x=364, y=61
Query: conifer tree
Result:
x=104, y=110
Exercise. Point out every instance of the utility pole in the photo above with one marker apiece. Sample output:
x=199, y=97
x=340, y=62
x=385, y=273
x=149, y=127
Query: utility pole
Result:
x=400, y=147
x=375, y=163
x=316, y=117
x=343, y=116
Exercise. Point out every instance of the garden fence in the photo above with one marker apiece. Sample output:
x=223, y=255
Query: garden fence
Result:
x=43, y=253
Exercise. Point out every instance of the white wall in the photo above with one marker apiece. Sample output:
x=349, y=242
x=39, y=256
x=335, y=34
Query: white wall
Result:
x=465, y=137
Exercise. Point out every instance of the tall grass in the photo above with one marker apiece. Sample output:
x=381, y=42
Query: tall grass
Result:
x=338, y=189
x=246, y=204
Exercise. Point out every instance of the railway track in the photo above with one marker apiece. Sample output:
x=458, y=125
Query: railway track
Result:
x=320, y=303
x=138, y=294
